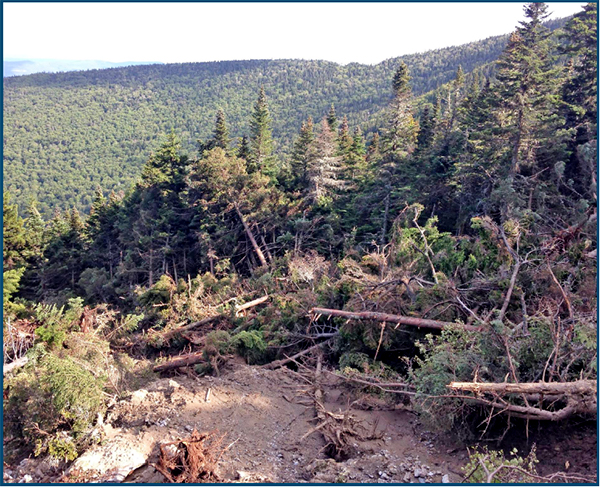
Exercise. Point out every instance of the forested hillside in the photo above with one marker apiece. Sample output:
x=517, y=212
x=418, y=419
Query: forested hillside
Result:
x=67, y=134
x=445, y=264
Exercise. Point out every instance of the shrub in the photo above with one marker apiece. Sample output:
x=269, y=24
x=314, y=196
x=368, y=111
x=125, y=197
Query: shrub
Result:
x=493, y=467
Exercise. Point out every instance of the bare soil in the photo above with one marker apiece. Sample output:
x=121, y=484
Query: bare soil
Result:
x=265, y=416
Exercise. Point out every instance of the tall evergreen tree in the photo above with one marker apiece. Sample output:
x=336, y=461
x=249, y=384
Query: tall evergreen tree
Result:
x=14, y=237
x=243, y=151
x=332, y=119
x=221, y=134
x=325, y=167
x=261, y=138
x=304, y=149
x=398, y=142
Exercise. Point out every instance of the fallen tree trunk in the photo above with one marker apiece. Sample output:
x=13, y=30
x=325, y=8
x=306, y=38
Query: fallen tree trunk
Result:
x=191, y=326
x=578, y=387
x=255, y=246
x=280, y=363
x=580, y=397
x=181, y=361
x=388, y=318
x=250, y=304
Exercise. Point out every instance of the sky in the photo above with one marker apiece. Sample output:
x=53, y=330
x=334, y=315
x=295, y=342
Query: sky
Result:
x=193, y=32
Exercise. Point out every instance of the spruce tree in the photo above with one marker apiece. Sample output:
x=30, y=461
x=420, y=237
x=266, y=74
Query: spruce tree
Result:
x=243, y=151
x=304, y=148
x=261, y=138
x=332, y=119
x=221, y=135
x=14, y=237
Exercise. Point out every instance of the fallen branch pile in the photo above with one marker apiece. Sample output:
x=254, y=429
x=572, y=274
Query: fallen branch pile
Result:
x=197, y=324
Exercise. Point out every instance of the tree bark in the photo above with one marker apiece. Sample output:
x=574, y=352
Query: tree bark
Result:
x=182, y=361
x=388, y=318
x=259, y=253
x=250, y=304
x=578, y=387
x=580, y=397
x=280, y=363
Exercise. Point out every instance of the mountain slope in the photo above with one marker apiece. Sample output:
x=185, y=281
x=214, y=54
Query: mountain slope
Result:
x=19, y=67
x=66, y=134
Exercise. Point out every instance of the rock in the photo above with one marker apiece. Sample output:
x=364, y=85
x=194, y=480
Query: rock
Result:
x=417, y=472
x=27, y=479
x=406, y=477
x=138, y=397
x=445, y=479
x=422, y=480
x=114, y=460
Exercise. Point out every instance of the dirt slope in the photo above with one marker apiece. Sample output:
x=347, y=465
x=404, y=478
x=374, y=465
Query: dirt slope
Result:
x=265, y=416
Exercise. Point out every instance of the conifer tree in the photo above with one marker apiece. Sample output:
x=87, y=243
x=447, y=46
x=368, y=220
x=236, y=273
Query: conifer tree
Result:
x=221, y=135
x=243, y=151
x=261, y=139
x=344, y=138
x=524, y=75
x=303, y=151
x=426, y=129
x=14, y=237
x=325, y=169
x=580, y=90
x=332, y=119
x=398, y=143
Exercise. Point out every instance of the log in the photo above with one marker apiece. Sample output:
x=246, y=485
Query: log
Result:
x=580, y=397
x=17, y=364
x=388, y=318
x=181, y=361
x=191, y=326
x=255, y=246
x=280, y=363
x=250, y=304
x=578, y=387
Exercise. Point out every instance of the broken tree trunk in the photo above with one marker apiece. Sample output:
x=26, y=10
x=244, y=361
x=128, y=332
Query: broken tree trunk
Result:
x=583, y=387
x=255, y=246
x=280, y=363
x=191, y=326
x=404, y=320
x=181, y=361
x=579, y=396
x=250, y=304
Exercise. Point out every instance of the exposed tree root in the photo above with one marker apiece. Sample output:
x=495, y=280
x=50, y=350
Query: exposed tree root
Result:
x=191, y=460
x=338, y=429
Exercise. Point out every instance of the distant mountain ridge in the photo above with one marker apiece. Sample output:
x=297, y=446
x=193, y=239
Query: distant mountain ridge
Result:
x=66, y=134
x=20, y=67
